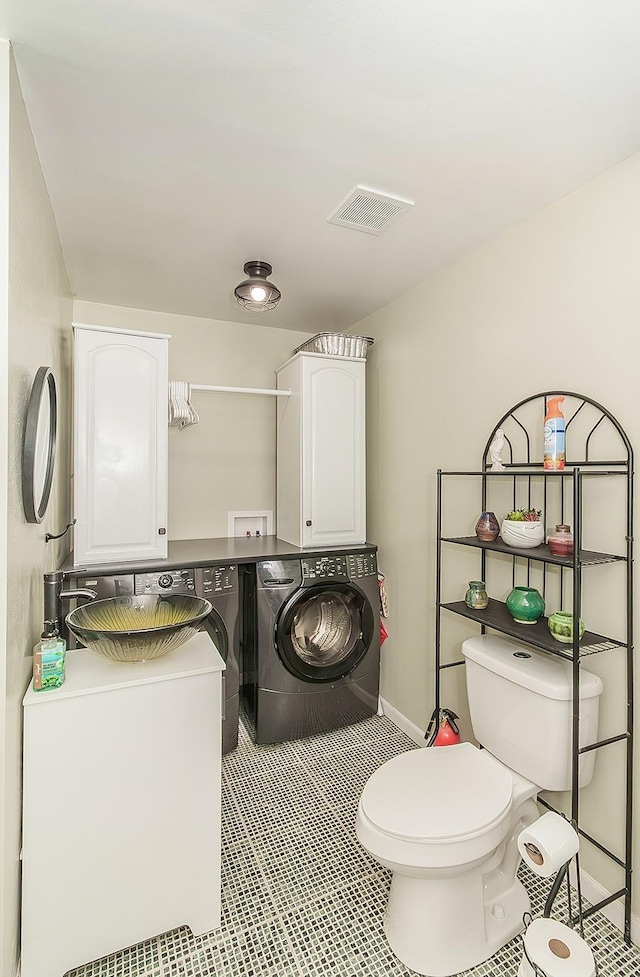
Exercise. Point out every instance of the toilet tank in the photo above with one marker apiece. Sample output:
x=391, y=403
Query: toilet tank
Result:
x=520, y=701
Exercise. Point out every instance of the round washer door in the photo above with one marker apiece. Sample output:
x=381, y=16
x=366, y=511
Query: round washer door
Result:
x=214, y=625
x=324, y=631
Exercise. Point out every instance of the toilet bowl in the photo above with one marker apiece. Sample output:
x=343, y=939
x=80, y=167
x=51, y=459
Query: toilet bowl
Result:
x=445, y=821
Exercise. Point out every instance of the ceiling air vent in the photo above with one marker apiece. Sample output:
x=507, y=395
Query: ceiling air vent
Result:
x=369, y=211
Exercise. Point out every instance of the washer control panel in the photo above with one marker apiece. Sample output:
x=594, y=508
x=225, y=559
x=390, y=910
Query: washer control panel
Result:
x=114, y=586
x=352, y=566
x=165, y=582
x=322, y=567
x=216, y=580
x=362, y=565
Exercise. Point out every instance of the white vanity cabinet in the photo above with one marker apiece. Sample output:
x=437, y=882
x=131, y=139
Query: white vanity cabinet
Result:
x=321, y=451
x=121, y=805
x=120, y=445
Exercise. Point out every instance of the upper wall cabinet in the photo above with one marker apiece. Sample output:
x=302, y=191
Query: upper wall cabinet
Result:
x=120, y=445
x=321, y=451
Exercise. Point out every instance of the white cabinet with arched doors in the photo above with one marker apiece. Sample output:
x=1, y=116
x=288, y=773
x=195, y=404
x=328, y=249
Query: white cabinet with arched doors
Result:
x=120, y=445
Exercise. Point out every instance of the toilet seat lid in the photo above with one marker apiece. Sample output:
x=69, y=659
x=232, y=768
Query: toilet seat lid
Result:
x=439, y=794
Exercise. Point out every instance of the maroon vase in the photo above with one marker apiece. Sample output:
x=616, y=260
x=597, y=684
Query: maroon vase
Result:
x=487, y=527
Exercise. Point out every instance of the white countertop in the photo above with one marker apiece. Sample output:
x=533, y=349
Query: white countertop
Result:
x=87, y=673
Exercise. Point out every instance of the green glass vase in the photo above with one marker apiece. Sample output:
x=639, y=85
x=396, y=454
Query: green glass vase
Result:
x=525, y=605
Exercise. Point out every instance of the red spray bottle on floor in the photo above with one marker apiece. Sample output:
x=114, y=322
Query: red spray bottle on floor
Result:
x=554, y=435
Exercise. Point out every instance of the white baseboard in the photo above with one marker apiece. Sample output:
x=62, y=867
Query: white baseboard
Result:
x=592, y=890
x=410, y=729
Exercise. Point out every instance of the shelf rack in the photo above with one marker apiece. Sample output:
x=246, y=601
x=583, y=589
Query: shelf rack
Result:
x=591, y=431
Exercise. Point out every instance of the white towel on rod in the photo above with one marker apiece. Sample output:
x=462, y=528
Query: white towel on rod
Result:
x=181, y=413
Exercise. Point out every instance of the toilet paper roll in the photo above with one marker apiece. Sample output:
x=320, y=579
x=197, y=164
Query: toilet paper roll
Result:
x=547, y=844
x=556, y=950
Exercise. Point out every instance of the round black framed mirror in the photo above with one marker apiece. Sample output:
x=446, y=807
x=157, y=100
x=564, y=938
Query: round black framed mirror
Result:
x=39, y=445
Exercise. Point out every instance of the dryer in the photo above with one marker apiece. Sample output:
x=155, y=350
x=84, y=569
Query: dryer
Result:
x=311, y=644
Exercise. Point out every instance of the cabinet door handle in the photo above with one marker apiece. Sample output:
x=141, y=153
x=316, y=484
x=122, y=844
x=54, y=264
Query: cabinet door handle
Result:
x=308, y=523
x=162, y=532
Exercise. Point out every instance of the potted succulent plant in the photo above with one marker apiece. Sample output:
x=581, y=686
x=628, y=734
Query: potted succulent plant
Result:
x=523, y=528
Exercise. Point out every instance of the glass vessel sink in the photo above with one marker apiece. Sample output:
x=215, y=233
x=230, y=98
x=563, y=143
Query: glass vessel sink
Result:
x=136, y=629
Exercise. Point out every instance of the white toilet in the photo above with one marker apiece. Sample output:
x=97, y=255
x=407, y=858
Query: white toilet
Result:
x=445, y=820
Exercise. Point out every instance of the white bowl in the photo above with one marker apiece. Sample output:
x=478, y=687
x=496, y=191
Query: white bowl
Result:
x=526, y=535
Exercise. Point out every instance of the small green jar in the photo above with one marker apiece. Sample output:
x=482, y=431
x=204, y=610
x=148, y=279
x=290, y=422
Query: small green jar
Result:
x=476, y=596
x=561, y=626
x=525, y=605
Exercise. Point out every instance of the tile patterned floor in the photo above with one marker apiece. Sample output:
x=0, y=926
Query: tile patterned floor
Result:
x=300, y=896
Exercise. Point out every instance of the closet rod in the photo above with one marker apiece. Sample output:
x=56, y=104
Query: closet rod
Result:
x=241, y=390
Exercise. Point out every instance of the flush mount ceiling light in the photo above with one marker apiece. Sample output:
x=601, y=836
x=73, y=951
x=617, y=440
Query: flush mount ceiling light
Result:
x=256, y=294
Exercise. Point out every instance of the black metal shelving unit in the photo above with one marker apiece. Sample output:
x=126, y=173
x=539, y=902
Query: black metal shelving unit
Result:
x=597, y=447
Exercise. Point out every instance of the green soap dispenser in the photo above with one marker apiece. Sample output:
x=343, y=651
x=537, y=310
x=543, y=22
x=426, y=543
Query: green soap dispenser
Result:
x=48, y=659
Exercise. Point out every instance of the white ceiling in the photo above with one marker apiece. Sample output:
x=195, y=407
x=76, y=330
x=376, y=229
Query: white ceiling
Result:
x=180, y=138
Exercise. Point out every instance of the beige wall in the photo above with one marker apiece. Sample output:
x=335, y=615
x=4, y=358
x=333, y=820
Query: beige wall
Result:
x=552, y=304
x=39, y=317
x=226, y=462
x=7, y=909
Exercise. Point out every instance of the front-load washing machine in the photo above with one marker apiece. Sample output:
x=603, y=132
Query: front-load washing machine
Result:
x=220, y=587
x=311, y=644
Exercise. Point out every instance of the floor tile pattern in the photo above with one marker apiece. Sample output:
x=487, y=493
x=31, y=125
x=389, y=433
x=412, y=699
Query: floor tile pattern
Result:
x=300, y=896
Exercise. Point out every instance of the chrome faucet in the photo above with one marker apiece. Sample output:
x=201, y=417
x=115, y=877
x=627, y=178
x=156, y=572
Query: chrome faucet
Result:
x=54, y=595
x=80, y=592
